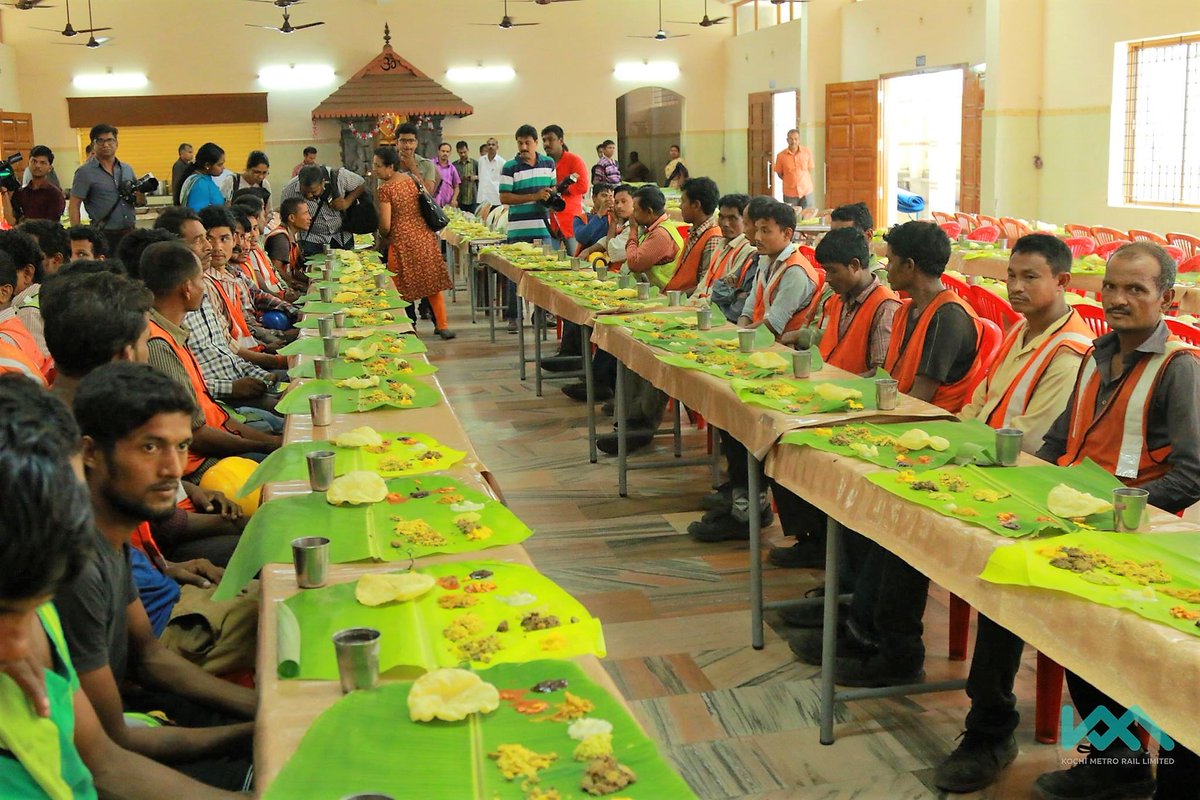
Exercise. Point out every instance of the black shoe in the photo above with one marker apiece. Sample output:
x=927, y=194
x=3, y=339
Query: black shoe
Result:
x=719, y=526
x=445, y=333
x=806, y=554
x=720, y=500
x=975, y=763
x=874, y=672
x=808, y=645
x=578, y=391
x=1128, y=776
x=562, y=364
x=640, y=435
x=813, y=614
x=512, y=326
x=609, y=408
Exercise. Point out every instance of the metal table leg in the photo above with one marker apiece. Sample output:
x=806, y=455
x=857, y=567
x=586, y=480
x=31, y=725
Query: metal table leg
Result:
x=716, y=456
x=756, y=588
x=539, y=319
x=521, y=335
x=493, y=304
x=677, y=429
x=472, y=289
x=589, y=380
x=622, y=417
x=829, y=632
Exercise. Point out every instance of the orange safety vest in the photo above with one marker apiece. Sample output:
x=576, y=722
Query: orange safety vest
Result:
x=765, y=292
x=849, y=352
x=264, y=273
x=903, y=366
x=1073, y=335
x=13, y=360
x=214, y=415
x=14, y=329
x=294, y=264
x=717, y=271
x=239, y=328
x=1116, y=438
x=688, y=274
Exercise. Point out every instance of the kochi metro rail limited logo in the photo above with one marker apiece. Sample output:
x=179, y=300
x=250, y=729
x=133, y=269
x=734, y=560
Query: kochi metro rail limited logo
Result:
x=1114, y=728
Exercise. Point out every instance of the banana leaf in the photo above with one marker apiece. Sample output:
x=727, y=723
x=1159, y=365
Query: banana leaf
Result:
x=353, y=746
x=722, y=340
x=360, y=533
x=408, y=344
x=800, y=396
x=348, y=401
x=369, y=320
x=1021, y=508
x=412, y=630
x=315, y=306
x=1028, y=564
x=968, y=440
x=396, y=367
x=288, y=463
x=661, y=320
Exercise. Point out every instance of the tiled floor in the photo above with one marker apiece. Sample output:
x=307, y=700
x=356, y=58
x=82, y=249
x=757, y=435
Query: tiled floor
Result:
x=739, y=723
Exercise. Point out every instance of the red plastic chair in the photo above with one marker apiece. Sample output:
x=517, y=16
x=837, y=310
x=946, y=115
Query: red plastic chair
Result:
x=941, y=217
x=1078, y=231
x=990, y=305
x=960, y=288
x=1189, y=333
x=1106, y=249
x=1190, y=264
x=683, y=229
x=966, y=221
x=952, y=229
x=990, y=340
x=1175, y=253
x=1104, y=235
x=984, y=233
x=809, y=252
x=984, y=219
x=1094, y=317
x=1080, y=246
x=1014, y=229
x=1186, y=242
x=1139, y=235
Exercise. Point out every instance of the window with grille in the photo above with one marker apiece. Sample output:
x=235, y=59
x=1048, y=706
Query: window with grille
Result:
x=1162, y=123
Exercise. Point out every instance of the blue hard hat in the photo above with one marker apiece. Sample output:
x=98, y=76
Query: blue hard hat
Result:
x=276, y=321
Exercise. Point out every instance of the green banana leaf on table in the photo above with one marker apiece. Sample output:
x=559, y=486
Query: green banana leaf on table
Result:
x=970, y=441
x=1028, y=564
x=409, y=344
x=799, y=396
x=413, y=451
x=361, y=533
x=353, y=746
x=662, y=320
x=1019, y=511
x=369, y=320
x=683, y=340
x=349, y=401
x=315, y=306
x=412, y=630
x=398, y=367
x=732, y=364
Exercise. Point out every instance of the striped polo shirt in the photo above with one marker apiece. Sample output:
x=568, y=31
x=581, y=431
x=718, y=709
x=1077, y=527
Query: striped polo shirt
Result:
x=528, y=221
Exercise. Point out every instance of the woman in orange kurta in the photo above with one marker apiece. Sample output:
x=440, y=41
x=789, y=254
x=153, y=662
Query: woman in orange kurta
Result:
x=414, y=256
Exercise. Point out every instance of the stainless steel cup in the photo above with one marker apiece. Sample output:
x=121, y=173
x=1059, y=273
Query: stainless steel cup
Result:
x=601, y=271
x=382, y=280
x=339, y=319
x=887, y=394
x=310, y=556
x=328, y=250
x=1129, y=508
x=320, y=469
x=1008, y=446
x=801, y=363
x=321, y=408
x=357, y=658
x=674, y=298
x=331, y=346
x=625, y=281
x=962, y=238
x=325, y=325
x=324, y=368
x=643, y=291
x=746, y=340
x=704, y=318
x=1002, y=244
x=326, y=293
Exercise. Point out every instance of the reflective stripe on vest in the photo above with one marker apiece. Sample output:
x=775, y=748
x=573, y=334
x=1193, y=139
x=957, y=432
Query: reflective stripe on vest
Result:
x=717, y=271
x=241, y=330
x=17, y=365
x=688, y=275
x=765, y=291
x=1016, y=399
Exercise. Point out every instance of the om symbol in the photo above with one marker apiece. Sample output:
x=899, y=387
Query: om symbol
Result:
x=389, y=63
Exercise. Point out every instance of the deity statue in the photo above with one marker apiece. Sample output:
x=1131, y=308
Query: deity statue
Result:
x=387, y=125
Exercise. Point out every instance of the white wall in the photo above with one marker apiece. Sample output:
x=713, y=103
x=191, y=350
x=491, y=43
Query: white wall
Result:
x=10, y=93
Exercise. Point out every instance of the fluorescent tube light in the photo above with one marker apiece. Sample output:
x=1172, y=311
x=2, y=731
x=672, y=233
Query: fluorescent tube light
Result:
x=646, y=71
x=105, y=81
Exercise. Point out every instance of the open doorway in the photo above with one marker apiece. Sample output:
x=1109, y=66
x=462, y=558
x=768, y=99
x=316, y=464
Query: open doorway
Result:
x=771, y=115
x=649, y=121
x=922, y=139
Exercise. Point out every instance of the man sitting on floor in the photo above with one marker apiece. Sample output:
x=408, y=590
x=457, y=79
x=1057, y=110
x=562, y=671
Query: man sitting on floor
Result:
x=54, y=745
x=136, y=426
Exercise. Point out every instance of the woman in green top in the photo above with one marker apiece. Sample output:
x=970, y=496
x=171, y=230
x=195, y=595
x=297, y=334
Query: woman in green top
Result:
x=51, y=743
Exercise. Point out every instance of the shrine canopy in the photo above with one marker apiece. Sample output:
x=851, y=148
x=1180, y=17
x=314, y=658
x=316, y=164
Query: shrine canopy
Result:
x=391, y=85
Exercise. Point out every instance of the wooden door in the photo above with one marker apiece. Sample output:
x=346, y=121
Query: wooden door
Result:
x=970, y=168
x=760, y=178
x=852, y=145
x=16, y=133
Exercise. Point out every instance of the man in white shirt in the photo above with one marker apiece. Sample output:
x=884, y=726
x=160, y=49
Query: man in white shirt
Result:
x=490, y=167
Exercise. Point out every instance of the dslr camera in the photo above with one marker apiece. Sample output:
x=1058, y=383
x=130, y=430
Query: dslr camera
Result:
x=128, y=190
x=556, y=202
x=8, y=173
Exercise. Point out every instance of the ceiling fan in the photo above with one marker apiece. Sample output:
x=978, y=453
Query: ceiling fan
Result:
x=506, y=21
x=92, y=42
x=661, y=35
x=287, y=26
x=705, y=22
x=279, y=3
x=69, y=30
x=26, y=5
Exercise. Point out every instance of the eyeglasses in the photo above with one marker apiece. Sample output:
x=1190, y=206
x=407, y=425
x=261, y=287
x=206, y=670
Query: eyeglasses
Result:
x=110, y=140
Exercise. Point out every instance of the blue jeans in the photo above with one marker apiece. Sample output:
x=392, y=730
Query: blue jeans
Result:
x=260, y=420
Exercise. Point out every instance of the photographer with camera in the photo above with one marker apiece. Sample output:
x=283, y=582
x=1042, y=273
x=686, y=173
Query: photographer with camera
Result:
x=39, y=198
x=108, y=189
x=571, y=173
x=328, y=192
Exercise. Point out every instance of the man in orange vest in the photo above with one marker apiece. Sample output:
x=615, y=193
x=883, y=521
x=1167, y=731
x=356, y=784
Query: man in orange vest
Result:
x=731, y=263
x=173, y=273
x=14, y=279
x=1026, y=387
x=1133, y=411
x=698, y=206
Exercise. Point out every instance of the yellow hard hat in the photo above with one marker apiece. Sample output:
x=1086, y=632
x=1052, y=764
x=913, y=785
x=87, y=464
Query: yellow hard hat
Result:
x=228, y=476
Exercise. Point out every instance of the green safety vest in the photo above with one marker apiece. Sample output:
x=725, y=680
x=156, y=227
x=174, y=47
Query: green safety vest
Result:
x=661, y=274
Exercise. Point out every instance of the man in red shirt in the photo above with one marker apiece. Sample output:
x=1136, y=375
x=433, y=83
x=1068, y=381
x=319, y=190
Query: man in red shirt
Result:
x=38, y=199
x=566, y=163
